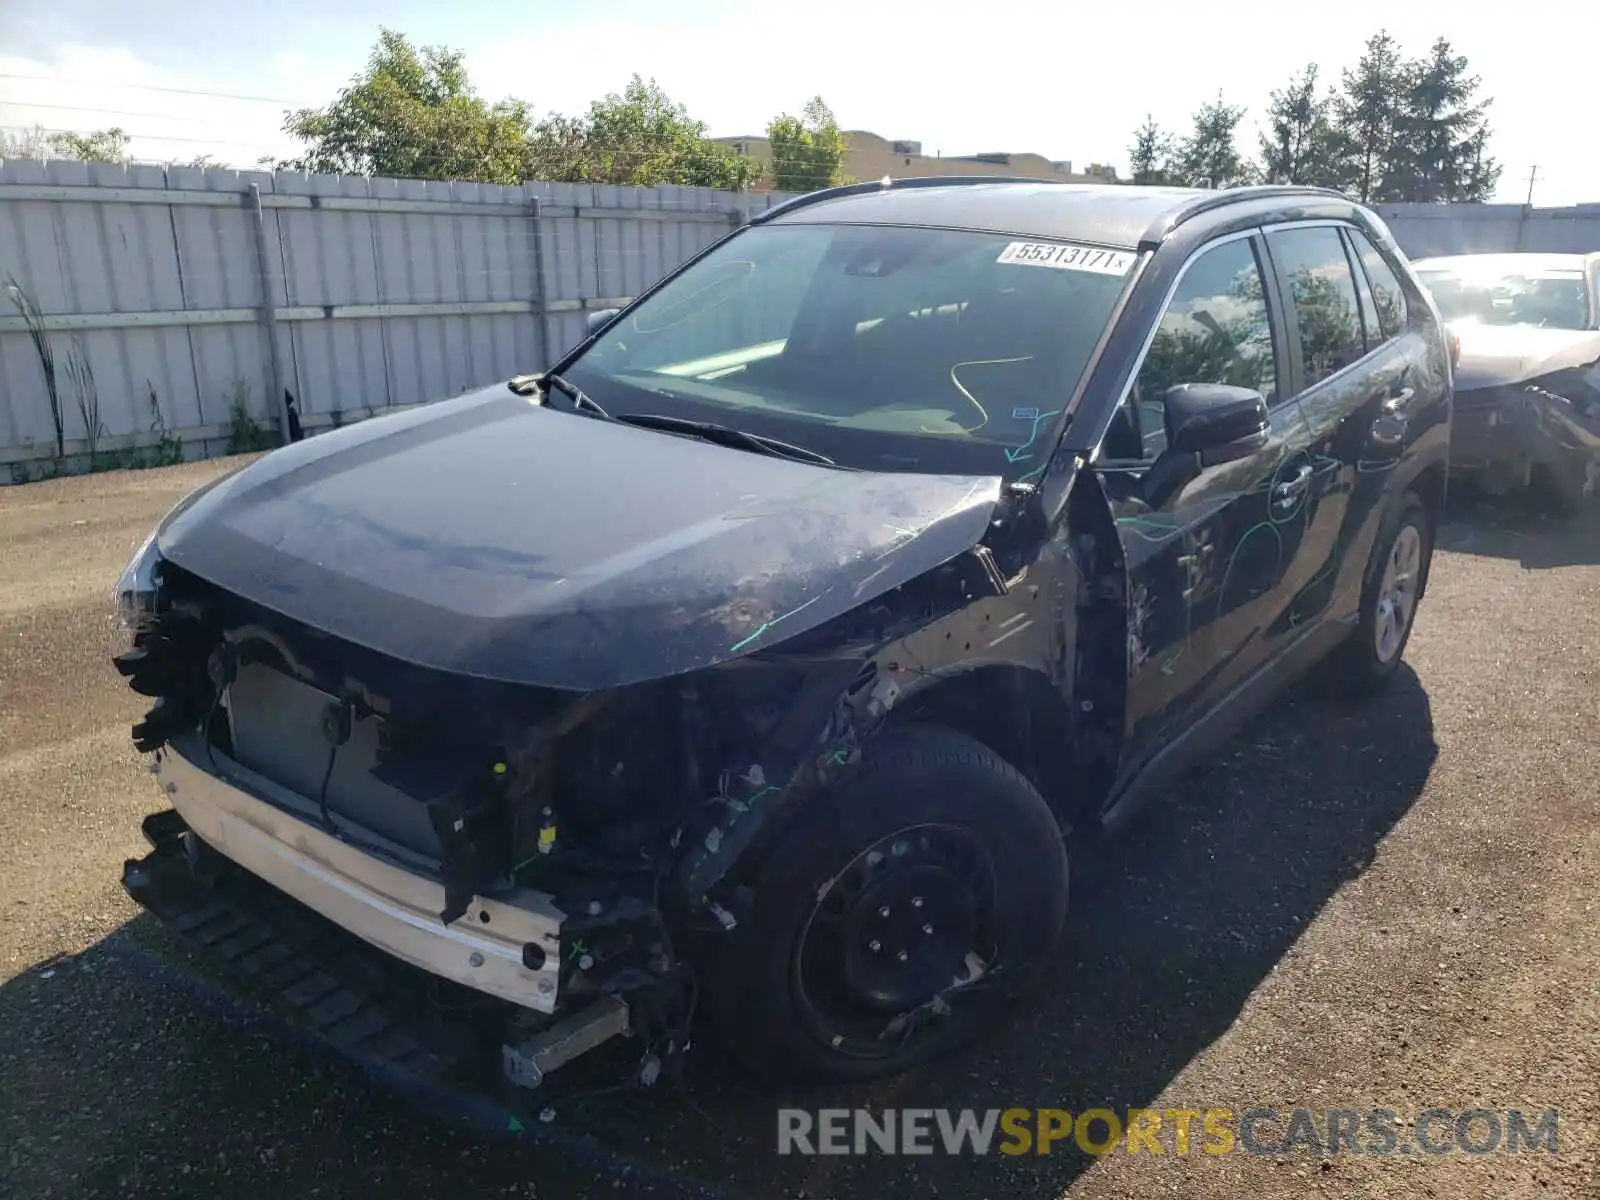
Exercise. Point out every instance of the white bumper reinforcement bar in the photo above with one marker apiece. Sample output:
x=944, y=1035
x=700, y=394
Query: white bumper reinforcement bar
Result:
x=394, y=909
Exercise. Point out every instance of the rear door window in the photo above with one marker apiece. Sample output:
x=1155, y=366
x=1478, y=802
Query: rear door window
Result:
x=1323, y=291
x=1387, y=294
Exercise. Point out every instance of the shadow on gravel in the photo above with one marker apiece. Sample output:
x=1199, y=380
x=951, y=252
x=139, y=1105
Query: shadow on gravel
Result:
x=129, y=1073
x=1517, y=527
x=1173, y=927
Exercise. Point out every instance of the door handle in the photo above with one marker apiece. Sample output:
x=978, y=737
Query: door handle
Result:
x=1399, y=400
x=1287, y=492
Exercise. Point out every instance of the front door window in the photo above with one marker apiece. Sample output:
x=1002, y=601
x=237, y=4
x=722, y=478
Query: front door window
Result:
x=1216, y=330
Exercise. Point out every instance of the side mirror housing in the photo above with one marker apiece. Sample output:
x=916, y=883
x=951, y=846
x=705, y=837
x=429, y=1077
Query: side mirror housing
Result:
x=1215, y=421
x=598, y=318
x=1207, y=424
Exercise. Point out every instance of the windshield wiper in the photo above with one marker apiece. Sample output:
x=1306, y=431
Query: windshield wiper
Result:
x=726, y=435
x=526, y=385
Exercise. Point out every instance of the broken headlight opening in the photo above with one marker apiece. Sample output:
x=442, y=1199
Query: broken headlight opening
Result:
x=135, y=596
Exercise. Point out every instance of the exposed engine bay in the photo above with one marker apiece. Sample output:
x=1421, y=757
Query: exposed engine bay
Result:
x=1528, y=409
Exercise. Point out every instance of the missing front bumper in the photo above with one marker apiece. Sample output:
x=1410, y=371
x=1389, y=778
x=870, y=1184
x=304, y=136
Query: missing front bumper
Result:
x=340, y=990
x=1505, y=431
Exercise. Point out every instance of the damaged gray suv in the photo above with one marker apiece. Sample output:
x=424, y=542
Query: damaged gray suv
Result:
x=766, y=650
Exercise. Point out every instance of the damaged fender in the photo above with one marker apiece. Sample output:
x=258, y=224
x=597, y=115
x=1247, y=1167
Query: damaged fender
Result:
x=891, y=656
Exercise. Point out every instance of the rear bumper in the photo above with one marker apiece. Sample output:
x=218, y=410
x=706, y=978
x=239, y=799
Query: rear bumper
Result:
x=508, y=947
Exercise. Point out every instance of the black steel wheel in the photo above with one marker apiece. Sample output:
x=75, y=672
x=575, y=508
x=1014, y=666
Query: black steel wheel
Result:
x=908, y=916
x=900, y=916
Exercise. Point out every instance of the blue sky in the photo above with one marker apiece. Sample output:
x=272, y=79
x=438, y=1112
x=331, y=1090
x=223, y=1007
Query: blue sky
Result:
x=1067, y=81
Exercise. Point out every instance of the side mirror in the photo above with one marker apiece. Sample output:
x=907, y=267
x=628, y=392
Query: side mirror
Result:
x=1215, y=421
x=598, y=318
x=1208, y=424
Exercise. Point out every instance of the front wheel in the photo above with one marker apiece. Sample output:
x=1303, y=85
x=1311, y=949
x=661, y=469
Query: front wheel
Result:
x=898, y=918
x=1389, y=600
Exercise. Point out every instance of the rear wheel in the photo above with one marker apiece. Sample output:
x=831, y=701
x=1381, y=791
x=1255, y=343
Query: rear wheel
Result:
x=1394, y=587
x=901, y=915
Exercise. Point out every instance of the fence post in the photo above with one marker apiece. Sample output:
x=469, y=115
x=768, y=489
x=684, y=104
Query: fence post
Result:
x=268, y=311
x=546, y=340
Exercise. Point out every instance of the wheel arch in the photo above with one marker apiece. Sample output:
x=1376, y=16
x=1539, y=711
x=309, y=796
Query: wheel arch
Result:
x=1431, y=486
x=1017, y=712
x=1063, y=729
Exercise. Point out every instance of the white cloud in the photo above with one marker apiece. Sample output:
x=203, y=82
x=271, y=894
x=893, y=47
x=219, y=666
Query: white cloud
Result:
x=170, y=115
x=1024, y=75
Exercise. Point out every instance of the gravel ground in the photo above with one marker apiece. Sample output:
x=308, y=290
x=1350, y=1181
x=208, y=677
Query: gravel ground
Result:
x=1390, y=904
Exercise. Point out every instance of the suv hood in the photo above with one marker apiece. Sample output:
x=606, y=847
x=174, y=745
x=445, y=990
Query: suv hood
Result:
x=494, y=537
x=1492, y=356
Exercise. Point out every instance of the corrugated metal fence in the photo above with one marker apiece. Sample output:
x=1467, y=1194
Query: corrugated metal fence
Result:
x=1424, y=229
x=189, y=292
x=203, y=287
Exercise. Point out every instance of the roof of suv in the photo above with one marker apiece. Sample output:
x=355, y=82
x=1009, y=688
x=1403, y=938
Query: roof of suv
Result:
x=1102, y=214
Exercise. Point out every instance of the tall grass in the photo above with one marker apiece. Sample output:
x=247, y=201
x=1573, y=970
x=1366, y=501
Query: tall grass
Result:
x=34, y=320
x=81, y=372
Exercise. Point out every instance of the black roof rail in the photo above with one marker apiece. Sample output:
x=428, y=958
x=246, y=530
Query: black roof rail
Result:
x=1210, y=201
x=886, y=185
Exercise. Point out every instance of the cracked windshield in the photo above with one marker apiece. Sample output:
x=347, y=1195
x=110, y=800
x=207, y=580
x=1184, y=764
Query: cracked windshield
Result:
x=889, y=348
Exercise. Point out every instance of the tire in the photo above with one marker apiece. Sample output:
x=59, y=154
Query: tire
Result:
x=1367, y=661
x=810, y=985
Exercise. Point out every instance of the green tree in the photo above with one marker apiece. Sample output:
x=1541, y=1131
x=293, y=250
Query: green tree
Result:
x=808, y=150
x=640, y=138
x=1150, y=155
x=413, y=114
x=1367, y=113
x=1482, y=172
x=102, y=146
x=1440, y=133
x=1209, y=156
x=1302, y=144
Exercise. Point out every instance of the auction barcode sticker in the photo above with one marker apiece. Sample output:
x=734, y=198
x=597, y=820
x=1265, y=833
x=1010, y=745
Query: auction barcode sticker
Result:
x=1066, y=257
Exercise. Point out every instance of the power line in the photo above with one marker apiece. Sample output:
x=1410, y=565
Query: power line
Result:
x=135, y=135
x=86, y=108
x=272, y=151
x=622, y=157
x=192, y=139
x=101, y=81
x=169, y=137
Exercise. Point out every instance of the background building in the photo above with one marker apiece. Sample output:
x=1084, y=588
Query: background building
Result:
x=872, y=157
